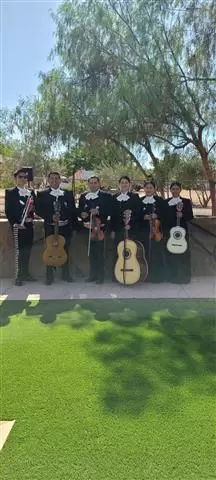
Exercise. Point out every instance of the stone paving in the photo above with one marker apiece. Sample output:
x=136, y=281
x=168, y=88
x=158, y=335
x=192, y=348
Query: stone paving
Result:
x=200, y=287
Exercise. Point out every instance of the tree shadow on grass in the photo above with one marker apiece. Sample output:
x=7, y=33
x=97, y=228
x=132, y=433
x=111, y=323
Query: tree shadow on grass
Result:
x=149, y=359
x=147, y=353
x=10, y=308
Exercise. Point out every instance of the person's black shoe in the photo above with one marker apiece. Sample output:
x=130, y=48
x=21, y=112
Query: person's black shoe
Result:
x=91, y=279
x=29, y=278
x=18, y=282
x=67, y=278
x=48, y=281
x=99, y=281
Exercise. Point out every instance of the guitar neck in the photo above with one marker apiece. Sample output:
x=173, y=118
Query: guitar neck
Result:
x=178, y=220
x=56, y=230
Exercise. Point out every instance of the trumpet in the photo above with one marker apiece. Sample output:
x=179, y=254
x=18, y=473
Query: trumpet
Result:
x=27, y=209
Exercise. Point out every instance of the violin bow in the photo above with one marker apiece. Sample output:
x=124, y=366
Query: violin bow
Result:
x=89, y=239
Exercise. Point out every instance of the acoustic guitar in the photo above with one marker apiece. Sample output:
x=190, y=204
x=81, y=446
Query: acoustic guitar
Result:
x=177, y=243
x=55, y=254
x=131, y=266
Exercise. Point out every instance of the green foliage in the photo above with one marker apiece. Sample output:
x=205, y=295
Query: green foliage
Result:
x=143, y=75
x=144, y=72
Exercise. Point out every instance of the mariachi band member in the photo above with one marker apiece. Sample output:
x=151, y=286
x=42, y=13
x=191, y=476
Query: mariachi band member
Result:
x=67, y=218
x=124, y=202
x=17, y=200
x=94, y=209
x=152, y=209
x=177, y=208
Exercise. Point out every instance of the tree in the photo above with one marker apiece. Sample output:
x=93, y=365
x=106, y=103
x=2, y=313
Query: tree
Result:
x=22, y=129
x=192, y=176
x=143, y=72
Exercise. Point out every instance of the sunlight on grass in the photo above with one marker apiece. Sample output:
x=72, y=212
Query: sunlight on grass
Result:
x=33, y=299
x=158, y=315
x=76, y=318
x=3, y=298
x=111, y=393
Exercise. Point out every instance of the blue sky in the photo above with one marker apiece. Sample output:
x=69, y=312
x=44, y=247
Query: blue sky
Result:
x=26, y=40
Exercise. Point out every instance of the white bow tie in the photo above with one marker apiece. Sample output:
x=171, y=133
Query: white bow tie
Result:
x=57, y=192
x=174, y=201
x=150, y=199
x=92, y=195
x=24, y=192
x=123, y=197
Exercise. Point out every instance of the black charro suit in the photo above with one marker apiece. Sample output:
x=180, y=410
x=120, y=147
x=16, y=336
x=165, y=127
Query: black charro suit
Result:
x=45, y=208
x=14, y=208
x=103, y=203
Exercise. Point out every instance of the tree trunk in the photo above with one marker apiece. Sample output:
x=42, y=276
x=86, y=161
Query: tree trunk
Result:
x=147, y=145
x=213, y=197
x=133, y=158
x=210, y=176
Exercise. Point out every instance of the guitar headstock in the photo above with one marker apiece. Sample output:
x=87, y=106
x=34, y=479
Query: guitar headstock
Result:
x=127, y=216
x=179, y=207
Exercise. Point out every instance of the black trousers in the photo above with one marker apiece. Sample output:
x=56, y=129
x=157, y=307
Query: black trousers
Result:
x=178, y=267
x=96, y=260
x=155, y=256
x=25, y=241
x=66, y=232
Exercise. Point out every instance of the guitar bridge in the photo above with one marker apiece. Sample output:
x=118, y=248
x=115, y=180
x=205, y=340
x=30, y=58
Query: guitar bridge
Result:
x=127, y=269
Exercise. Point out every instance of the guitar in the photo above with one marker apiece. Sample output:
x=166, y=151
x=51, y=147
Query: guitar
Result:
x=131, y=265
x=177, y=243
x=54, y=254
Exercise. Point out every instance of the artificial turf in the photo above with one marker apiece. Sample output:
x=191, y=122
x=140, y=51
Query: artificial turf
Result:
x=109, y=390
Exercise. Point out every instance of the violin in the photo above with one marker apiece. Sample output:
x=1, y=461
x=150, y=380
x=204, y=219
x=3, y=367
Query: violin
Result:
x=96, y=232
x=155, y=230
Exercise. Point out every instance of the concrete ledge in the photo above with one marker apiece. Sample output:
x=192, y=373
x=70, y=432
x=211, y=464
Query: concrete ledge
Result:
x=203, y=263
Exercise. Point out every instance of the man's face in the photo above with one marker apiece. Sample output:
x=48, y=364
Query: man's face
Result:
x=54, y=181
x=149, y=189
x=21, y=179
x=175, y=190
x=94, y=185
x=124, y=185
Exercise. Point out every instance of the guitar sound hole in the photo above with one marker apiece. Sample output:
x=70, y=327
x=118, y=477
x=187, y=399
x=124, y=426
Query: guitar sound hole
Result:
x=178, y=236
x=127, y=254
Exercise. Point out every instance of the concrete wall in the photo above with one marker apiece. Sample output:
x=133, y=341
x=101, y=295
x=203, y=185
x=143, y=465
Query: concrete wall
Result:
x=203, y=263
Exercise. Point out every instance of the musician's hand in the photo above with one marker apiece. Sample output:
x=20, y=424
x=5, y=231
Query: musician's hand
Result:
x=56, y=218
x=154, y=215
x=94, y=211
x=179, y=214
x=84, y=215
x=20, y=227
x=112, y=235
x=127, y=227
x=31, y=208
x=147, y=217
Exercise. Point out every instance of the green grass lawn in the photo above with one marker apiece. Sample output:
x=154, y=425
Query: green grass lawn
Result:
x=109, y=390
